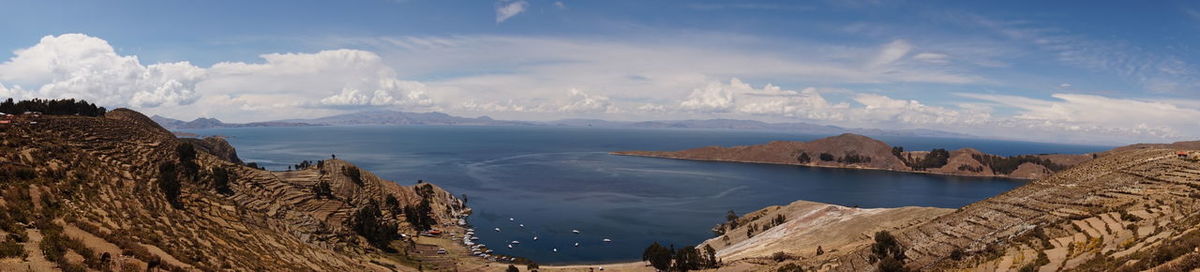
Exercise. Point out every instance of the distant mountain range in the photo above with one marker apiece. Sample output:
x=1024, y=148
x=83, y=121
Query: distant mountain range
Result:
x=387, y=117
x=203, y=123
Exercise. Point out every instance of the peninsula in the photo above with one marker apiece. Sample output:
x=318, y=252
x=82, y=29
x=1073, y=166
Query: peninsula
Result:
x=861, y=152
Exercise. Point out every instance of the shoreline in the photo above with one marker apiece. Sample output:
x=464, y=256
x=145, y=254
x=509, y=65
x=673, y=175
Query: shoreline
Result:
x=631, y=154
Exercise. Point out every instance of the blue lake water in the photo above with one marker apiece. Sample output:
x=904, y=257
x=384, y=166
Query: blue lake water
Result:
x=555, y=179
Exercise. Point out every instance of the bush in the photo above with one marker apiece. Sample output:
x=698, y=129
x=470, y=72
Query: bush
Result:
x=512, y=268
x=791, y=267
x=826, y=157
x=804, y=158
x=322, y=190
x=658, y=256
x=221, y=178
x=369, y=223
x=1006, y=165
x=11, y=249
x=168, y=182
x=187, y=159
x=354, y=174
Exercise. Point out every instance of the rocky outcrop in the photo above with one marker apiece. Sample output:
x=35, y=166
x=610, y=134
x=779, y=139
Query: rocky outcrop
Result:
x=857, y=151
x=217, y=146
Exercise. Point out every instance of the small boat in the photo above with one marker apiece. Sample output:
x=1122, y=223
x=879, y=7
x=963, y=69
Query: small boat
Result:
x=510, y=219
x=515, y=242
x=474, y=238
x=509, y=245
x=555, y=249
x=575, y=231
x=606, y=240
x=576, y=244
x=497, y=229
x=489, y=251
x=471, y=230
x=535, y=238
x=522, y=225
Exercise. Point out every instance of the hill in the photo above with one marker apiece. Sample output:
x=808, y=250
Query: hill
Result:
x=734, y=124
x=1133, y=209
x=205, y=123
x=120, y=192
x=857, y=151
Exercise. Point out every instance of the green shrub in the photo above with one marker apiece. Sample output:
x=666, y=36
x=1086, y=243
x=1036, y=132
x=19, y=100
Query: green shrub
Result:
x=168, y=182
x=11, y=249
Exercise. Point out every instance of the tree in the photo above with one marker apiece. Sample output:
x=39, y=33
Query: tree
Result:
x=322, y=190
x=804, y=158
x=820, y=251
x=711, y=257
x=512, y=268
x=827, y=157
x=52, y=107
x=168, y=183
x=687, y=259
x=369, y=223
x=354, y=174
x=221, y=177
x=888, y=252
x=187, y=159
x=420, y=216
x=731, y=218
x=658, y=256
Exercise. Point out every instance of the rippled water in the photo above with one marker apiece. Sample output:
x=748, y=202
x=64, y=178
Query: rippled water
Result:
x=554, y=179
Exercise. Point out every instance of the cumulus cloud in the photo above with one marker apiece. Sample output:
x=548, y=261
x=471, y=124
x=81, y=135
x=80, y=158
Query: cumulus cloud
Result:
x=583, y=102
x=80, y=66
x=1092, y=113
x=506, y=10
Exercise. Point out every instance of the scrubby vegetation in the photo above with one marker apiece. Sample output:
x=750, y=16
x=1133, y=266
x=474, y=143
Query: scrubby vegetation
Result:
x=804, y=158
x=322, y=190
x=168, y=183
x=685, y=259
x=421, y=215
x=369, y=223
x=52, y=107
x=1006, y=165
x=354, y=174
x=221, y=178
x=936, y=158
x=888, y=253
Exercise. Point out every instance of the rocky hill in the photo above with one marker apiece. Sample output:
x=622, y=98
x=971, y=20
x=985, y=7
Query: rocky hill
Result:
x=857, y=151
x=121, y=193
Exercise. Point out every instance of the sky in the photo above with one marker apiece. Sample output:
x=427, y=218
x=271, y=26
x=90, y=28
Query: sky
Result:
x=1099, y=72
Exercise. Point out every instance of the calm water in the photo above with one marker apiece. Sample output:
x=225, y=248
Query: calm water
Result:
x=554, y=180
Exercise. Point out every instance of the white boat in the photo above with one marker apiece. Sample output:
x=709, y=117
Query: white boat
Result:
x=575, y=231
x=509, y=245
x=606, y=240
x=489, y=251
x=515, y=242
x=576, y=244
x=474, y=237
x=522, y=225
x=555, y=249
x=510, y=219
x=497, y=229
x=470, y=230
x=535, y=238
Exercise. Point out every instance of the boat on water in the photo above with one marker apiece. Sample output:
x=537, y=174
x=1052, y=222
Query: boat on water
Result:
x=497, y=229
x=521, y=225
x=606, y=240
x=510, y=219
x=555, y=250
x=515, y=242
x=576, y=244
x=510, y=246
x=575, y=231
x=535, y=238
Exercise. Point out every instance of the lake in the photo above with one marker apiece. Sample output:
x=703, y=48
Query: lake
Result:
x=555, y=179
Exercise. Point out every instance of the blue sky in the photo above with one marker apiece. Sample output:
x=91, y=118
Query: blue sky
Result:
x=1090, y=71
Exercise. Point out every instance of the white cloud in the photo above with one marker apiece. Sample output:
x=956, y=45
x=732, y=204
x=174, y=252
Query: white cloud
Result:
x=506, y=10
x=560, y=5
x=935, y=58
x=583, y=102
x=890, y=53
x=80, y=66
x=1097, y=114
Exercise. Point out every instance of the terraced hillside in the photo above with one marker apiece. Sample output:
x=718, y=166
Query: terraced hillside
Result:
x=121, y=193
x=1130, y=210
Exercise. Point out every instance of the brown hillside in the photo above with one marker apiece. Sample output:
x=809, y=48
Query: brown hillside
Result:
x=91, y=189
